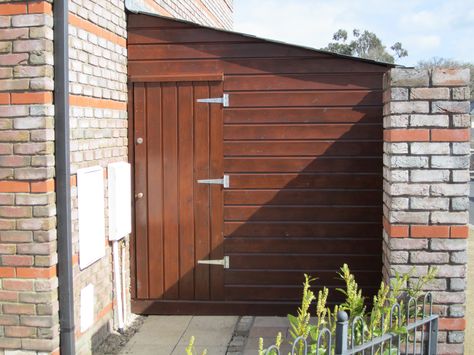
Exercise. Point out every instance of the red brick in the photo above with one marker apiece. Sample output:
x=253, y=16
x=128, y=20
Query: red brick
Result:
x=43, y=186
x=13, y=8
x=84, y=101
x=14, y=186
x=36, y=272
x=4, y=99
x=429, y=231
x=18, y=285
x=42, y=97
x=103, y=312
x=39, y=7
x=406, y=135
x=17, y=260
x=395, y=230
x=450, y=135
x=452, y=324
x=6, y=271
x=459, y=231
x=9, y=308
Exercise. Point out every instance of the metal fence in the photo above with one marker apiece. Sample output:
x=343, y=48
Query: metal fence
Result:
x=414, y=332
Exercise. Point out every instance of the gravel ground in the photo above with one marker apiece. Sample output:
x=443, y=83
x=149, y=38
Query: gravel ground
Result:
x=116, y=341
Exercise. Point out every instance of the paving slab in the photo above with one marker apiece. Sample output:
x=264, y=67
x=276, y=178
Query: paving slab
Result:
x=166, y=335
x=268, y=329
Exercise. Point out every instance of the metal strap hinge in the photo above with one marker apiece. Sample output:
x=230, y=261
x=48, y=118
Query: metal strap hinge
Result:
x=225, y=181
x=225, y=262
x=224, y=100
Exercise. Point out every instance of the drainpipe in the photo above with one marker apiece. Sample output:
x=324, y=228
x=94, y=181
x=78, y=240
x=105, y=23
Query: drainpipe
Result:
x=63, y=188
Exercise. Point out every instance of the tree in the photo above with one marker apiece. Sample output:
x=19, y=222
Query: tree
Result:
x=436, y=62
x=365, y=44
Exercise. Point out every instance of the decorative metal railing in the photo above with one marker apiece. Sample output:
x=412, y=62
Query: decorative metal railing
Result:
x=412, y=333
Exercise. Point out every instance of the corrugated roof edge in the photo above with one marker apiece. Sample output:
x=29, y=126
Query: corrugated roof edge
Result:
x=134, y=7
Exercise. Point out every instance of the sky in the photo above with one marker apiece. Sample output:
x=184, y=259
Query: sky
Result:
x=426, y=28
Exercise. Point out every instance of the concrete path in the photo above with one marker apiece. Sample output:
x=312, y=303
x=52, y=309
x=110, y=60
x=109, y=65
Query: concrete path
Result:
x=166, y=335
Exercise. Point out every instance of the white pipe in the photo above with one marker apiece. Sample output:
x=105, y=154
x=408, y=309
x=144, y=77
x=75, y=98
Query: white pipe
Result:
x=124, y=289
x=118, y=289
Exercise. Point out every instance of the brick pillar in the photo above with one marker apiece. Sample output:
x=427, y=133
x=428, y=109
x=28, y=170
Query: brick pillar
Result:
x=426, y=175
x=28, y=282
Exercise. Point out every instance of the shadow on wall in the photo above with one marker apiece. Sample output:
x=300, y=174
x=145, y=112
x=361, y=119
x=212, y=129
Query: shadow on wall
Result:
x=305, y=196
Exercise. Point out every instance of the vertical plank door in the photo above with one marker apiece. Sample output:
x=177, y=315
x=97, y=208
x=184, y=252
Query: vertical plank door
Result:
x=178, y=221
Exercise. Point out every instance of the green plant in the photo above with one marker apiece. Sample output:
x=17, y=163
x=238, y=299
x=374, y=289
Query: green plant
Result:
x=273, y=351
x=299, y=325
x=190, y=348
x=373, y=324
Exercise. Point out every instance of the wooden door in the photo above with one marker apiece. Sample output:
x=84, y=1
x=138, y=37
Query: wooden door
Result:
x=178, y=221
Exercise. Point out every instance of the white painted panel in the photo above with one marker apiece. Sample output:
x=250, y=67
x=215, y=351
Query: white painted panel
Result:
x=120, y=202
x=90, y=196
x=87, y=307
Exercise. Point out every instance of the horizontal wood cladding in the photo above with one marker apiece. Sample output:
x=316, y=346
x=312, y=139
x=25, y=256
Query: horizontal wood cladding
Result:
x=211, y=50
x=322, y=213
x=301, y=132
x=301, y=197
x=292, y=115
x=353, y=81
x=298, y=164
x=165, y=35
x=301, y=148
x=242, y=66
x=302, y=144
x=305, y=98
x=305, y=180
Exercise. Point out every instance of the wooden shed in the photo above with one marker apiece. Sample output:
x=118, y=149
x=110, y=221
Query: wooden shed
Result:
x=254, y=162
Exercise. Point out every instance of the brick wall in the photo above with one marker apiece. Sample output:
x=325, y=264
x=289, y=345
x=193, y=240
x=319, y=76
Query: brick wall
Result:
x=28, y=295
x=98, y=120
x=426, y=175
x=213, y=13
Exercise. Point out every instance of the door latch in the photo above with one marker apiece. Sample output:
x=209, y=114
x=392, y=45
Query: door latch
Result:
x=224, y=100
x=225, y=262
x=225, y=181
